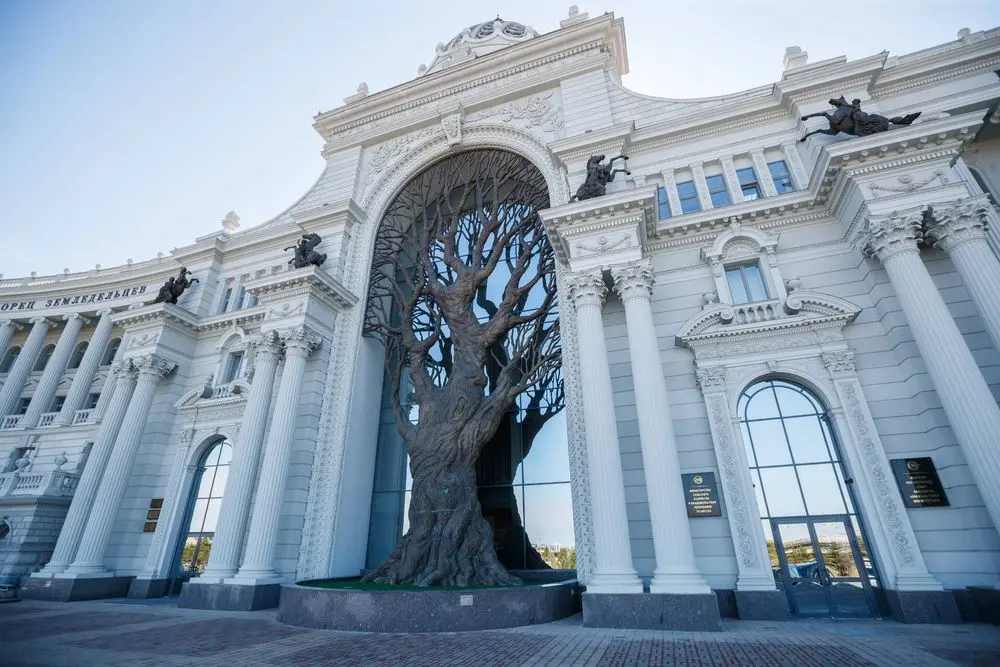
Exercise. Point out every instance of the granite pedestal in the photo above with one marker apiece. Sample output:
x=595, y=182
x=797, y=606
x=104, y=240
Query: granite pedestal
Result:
x=68, y=590
x=979, y=604
x=229, y=597
x=923, y=606
x=148, y=588
x=652, y=611
x=761, y=605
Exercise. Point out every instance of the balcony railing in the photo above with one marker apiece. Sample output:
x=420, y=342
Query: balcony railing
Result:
x=56, y=483
x=757, y=311
x=9, y=422
x=48, y=418
x=82, y=416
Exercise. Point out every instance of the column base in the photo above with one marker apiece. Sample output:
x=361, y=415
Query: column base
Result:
x=213, y=577
x=143, y=589
x=651, y=611
x=81, y=573
x=63, y=589
x=761, y=605
x=229, y=597
x=626, y=582
x=923, y=606
x=674, y=583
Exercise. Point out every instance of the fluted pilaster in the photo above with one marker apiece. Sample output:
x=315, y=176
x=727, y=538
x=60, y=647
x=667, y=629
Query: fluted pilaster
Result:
x=966, y=398
x=959, y=228
x=88, y=367
x=93, y=473
x=56, y=366
x=89, y=559
x=613, y=571
x=14, y=384
x=763, y=173
x=676, y=570
x=258, y=559
x=224, y=559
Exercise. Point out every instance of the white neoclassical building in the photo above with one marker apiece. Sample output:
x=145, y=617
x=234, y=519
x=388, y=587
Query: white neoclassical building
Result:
x=781, y=359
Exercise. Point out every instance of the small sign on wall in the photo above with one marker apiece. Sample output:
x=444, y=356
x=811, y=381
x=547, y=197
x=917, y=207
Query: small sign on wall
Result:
x=701, y=495
x=919, y=482
x=152, y=515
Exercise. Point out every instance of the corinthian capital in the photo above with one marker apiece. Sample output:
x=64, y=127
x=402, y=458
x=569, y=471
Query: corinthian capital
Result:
x=634, y=281
x=300, y=340
x=267, y=343
x=586, y=287
x=151, y=365
x=123, y=369
x=959, y=221
x=711, y=378
x=885, y=236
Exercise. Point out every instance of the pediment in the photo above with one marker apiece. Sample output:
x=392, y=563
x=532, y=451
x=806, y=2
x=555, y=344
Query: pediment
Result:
x=764, y=319
x=207, y=394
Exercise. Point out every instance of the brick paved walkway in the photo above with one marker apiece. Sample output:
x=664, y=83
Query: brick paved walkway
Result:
x=109, y=634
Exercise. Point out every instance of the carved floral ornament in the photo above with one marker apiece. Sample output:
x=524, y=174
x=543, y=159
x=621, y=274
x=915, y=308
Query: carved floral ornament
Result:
x=586, y=287
x=945, y=224
x=634, y=281
x=964, y=220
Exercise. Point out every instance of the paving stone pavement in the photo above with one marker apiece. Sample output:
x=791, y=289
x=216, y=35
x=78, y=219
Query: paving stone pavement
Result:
x=126, y=634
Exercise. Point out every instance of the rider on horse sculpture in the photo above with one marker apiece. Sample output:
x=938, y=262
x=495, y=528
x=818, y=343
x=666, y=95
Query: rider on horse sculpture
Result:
x=174, y=287
x=598, y=177
x=850, y=119
x=305, y=253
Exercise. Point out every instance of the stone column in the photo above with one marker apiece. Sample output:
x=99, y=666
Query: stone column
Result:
x=701, y=185
x=960, y=230
x=966, y=398
x=47, y=385
x=613, y=571
x=93, y=473
x=732, y=180
x=670, y=185
x=763, y=173
x=224, y=560
x=258, y=560
x=89, y=560
x=7, y=330
x=88, y=367
x=676, y=571
x=14, y=384
x=109, y=383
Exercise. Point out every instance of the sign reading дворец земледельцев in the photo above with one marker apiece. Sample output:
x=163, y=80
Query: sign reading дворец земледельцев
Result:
x=94, y=297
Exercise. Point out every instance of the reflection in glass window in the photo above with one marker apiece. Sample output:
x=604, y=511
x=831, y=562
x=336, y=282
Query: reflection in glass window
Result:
x=77, y=358
x=782, y=179
x=662, y=202
x=9, y=357
x=746, y=283
x=110, y=351
x=210, y=484
x=43, y=358
x=689, y=197
x=718, y=191
x=748, y=184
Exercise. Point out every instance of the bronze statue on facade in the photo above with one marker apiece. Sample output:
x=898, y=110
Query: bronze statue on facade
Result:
x=174, y=287
x=848, y=118
x=598, y=177
x=305, y=253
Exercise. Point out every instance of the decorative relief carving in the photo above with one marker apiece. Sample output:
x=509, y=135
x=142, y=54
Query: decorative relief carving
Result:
x=286, y=310
x=634, y=281
x=711, y=378
x=151, y=365
x=882, y=483
x=732, y=471
x=452, y=126
x=958, y=222
x=839, y=363
x=885, y=236
x=586, y=287
x=604, y=245
x=392, y=150
x=908, y=184
x=300, y=340
x=536, y=111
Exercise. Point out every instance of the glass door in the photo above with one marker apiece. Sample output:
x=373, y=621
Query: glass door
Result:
x=821, y=567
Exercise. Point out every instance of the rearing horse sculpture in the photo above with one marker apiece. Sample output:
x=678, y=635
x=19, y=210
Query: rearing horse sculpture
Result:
x=598, y=177
x=850, y=119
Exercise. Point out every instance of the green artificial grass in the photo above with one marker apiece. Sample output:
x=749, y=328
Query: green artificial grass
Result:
x=358, y=585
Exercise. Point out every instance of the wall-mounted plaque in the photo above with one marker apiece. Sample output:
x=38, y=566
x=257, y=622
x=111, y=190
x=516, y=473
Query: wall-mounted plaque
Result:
x=701, y=494
x=919, y=483
x=149, y=527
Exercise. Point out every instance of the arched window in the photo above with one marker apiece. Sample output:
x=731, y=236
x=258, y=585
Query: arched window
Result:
x=9, y=358
x=78, y=352
x=205, y=501
x=4, y=530
x=811, y=526
x=110, y=351
x=43, y=358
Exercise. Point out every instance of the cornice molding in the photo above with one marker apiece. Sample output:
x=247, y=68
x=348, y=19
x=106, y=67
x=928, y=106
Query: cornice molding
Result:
x=308, y=281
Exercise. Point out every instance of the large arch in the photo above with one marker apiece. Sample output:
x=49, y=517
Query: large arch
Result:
x=328, y=547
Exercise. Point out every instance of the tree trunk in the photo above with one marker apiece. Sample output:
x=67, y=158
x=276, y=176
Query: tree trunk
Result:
x=449, y=543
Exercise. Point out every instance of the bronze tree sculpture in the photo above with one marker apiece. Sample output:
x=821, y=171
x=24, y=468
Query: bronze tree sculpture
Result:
x=598, y=177
x=850, y=119
x=174, y=287
x=464, y=230
x=305, y=252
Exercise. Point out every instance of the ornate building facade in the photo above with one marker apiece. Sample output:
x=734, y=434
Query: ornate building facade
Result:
x=781, y=359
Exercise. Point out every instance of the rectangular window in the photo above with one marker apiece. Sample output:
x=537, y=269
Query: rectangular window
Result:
x=91, y=401
x=782, y=179
x=749, y=184
x=57, y=406
x=18, y=453
x=251, y=301
x=718, y=191
x=746, y=284
x=238, y=301
x=22, y=406
x=226, y=296
x=662, y=202
x=689, y=197
x=234, y=367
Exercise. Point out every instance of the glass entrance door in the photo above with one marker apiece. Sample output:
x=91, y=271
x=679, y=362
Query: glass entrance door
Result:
x=821, y=567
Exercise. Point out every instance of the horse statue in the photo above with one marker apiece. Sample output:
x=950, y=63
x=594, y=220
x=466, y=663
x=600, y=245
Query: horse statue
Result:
x=305, y=253
x=174, y=287
x=598, y=177
x=850, y=119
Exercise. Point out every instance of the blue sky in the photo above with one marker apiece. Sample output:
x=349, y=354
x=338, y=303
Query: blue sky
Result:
x=128, y=128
